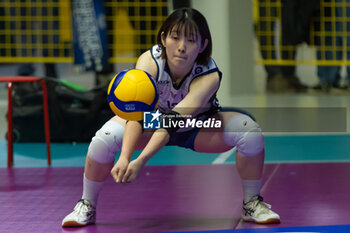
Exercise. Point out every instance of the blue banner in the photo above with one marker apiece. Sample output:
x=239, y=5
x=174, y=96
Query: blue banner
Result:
x=90, y=34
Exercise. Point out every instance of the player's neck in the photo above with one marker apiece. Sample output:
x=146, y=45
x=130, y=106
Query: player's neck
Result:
x=177, y=75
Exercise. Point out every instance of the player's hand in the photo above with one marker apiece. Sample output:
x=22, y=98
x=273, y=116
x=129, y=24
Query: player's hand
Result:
x=119, y=169
x=133, y=170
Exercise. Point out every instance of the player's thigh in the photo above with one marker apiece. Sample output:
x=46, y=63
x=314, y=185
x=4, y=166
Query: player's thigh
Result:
x=212, y=140
x=145, y=137
x=119, y=120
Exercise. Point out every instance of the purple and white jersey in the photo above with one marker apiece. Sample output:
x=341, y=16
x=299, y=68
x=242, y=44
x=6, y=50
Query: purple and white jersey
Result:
x=170, y=95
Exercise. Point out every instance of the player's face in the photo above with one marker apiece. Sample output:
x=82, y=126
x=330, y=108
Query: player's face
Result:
x=182, y=50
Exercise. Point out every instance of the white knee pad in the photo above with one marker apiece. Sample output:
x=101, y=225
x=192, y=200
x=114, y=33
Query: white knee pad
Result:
x=106, y=142
x=244, y=133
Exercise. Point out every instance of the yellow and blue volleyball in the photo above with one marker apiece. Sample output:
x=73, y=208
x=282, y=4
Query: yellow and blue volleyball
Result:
x=132, y=92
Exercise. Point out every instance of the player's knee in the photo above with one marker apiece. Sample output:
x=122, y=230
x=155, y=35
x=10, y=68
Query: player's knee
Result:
x=244, y=133
x=106, y=142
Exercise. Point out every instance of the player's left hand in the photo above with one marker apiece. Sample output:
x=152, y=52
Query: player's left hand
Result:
x=133, y=170
x=119, y=169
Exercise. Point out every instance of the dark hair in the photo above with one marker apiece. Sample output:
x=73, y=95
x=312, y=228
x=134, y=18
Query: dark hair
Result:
x=193, y=22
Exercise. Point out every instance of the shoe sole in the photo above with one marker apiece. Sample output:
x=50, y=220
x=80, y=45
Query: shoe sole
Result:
x=74, y=224
x=268, y=221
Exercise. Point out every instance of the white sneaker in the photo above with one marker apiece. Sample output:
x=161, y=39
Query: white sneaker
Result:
x=258, y=211
x=83, y=214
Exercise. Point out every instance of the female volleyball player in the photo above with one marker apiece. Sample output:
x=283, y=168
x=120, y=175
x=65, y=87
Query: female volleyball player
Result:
x=188, y=79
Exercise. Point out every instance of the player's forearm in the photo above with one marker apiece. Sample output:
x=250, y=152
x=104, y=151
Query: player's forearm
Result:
x=132, y=133
x=159, y=139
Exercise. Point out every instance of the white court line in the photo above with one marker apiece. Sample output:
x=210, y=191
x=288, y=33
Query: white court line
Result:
x=221, y=159
x=269, y=178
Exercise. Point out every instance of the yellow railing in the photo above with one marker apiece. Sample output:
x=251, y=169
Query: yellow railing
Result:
x=41, y=31
x=328, y=35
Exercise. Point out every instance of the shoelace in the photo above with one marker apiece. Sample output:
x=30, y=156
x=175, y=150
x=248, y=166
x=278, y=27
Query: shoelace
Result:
x=82, y=207
x=263, y=207
x=258, y=205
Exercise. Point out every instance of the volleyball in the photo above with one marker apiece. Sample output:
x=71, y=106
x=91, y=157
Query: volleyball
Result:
x=132, y=92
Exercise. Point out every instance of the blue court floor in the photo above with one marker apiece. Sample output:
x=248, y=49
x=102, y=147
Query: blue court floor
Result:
x=313, y=229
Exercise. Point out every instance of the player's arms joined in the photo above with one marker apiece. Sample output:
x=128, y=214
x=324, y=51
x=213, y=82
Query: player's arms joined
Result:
x=201, y=90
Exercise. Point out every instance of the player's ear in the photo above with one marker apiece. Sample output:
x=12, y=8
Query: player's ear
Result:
x=162, y=37
x=204, y=46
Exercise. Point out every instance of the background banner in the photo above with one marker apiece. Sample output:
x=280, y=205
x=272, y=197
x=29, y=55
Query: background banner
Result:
x=90, y=34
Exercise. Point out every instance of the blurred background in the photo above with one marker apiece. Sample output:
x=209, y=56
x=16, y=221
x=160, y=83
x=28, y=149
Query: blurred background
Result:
x=273, y=53
x=286, y=62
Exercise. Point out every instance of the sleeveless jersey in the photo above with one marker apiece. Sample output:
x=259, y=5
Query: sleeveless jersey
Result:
x=170, y=95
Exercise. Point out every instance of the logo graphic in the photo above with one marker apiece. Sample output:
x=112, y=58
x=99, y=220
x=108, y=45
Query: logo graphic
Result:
x=151, y=120
x=155, y=120
x=198, y=70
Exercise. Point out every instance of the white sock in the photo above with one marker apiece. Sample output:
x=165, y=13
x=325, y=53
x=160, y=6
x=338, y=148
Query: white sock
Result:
x=251, y=188
x=91, y=190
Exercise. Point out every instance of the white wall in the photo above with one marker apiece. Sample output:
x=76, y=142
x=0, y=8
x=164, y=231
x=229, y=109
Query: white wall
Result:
x=231, y=26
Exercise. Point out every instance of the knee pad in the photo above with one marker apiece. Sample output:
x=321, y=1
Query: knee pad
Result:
x=106, y=142
x=244, y=133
